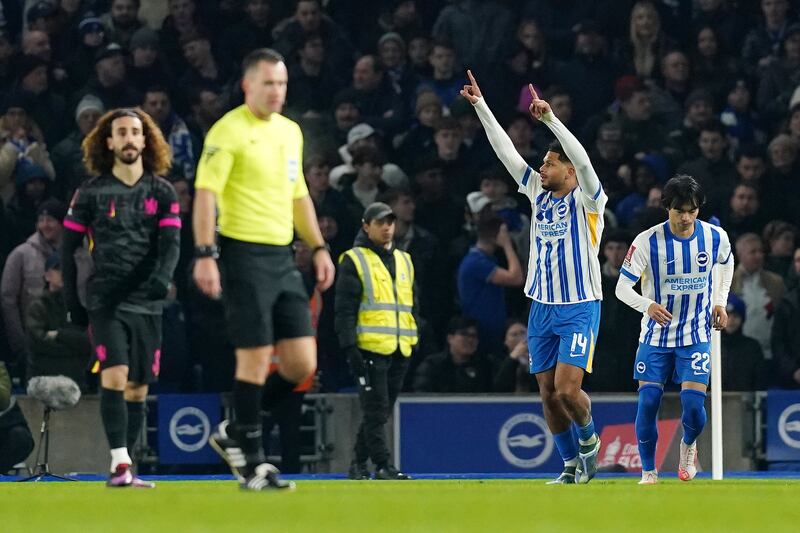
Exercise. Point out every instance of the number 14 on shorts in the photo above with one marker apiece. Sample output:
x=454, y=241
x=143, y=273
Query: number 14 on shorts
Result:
x=578, y=348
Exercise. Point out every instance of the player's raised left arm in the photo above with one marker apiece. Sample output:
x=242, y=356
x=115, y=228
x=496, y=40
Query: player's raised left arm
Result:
x=498, y=138
x=587, y=177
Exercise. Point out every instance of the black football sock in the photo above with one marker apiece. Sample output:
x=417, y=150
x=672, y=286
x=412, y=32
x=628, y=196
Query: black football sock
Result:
x=114, y=416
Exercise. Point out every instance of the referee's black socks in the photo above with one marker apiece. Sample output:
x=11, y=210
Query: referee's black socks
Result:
x=276, y=389
x=247, y=427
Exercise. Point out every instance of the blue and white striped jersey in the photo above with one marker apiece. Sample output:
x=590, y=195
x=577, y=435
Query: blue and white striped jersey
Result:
x=676, y=273
x=565, y=243
x=563, y=267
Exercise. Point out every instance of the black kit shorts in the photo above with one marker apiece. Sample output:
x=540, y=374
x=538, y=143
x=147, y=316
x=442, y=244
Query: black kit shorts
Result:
x=127, y=338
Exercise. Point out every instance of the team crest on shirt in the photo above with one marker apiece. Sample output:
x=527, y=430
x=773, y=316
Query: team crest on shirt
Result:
x=562, y=209
x=702, y=259
x=150, y=206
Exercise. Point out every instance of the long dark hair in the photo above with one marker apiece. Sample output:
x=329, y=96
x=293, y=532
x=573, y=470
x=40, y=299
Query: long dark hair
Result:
x=156, y=156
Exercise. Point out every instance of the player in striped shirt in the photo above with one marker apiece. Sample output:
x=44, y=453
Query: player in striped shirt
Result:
x=674, y=261
x=563, y=277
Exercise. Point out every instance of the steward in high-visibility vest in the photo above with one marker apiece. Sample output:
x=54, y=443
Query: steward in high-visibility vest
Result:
x=374, y=320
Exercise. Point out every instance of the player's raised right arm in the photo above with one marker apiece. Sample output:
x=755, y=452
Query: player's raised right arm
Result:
x=498, y=138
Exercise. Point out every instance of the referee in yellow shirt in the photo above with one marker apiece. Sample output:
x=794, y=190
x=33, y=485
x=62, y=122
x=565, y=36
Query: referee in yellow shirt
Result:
x=251, y=175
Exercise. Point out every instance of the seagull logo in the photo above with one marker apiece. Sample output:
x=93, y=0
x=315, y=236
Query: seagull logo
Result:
x=189, y=430
x=794, y=426
x=525, y=441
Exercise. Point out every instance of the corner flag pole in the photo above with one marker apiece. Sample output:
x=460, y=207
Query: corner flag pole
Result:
x=716, y=392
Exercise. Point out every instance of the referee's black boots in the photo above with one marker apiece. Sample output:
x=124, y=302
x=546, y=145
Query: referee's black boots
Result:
x=390, y=472
x=358, y=471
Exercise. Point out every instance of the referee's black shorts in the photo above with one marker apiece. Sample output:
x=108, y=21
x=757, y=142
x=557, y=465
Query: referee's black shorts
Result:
x=263, y=292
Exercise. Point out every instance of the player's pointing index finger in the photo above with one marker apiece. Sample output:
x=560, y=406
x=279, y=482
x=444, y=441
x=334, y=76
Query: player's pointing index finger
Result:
x=471, y=77
x=533, y=92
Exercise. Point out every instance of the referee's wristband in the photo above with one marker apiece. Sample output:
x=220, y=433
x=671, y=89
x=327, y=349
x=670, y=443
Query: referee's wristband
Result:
x=316, y=249
x=206, y=251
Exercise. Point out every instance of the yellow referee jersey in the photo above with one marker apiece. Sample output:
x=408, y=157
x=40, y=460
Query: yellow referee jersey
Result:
x=255, y=169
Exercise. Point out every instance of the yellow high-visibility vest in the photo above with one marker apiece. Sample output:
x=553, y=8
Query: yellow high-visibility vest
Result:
x=385, y=320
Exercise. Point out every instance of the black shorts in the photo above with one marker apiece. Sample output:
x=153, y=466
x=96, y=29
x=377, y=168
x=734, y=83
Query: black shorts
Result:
x=130, y=339
x=263, y=292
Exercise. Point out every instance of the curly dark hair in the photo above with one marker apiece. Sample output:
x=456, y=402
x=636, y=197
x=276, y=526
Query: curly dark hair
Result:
x=156, y=156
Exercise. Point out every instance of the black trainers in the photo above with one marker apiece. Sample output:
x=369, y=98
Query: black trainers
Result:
x=390, y=472
x=265, y=477
x=358, y=471
x=229, y=449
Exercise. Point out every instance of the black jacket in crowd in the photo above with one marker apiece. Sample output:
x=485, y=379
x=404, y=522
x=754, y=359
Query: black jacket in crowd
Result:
x=743, y=365
x=786, y=339
x=439, y=373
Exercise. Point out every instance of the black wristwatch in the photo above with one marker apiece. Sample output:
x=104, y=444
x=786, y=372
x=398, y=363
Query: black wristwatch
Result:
x=206, y=251
x=320, y=247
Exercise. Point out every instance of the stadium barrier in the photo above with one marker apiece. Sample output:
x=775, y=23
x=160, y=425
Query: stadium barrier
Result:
x=79, y=445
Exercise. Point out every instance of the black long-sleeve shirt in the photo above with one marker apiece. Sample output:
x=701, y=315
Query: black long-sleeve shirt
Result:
x=134, y=234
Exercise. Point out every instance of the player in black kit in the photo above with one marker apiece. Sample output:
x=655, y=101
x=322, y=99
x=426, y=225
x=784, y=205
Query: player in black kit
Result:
x=132, y=219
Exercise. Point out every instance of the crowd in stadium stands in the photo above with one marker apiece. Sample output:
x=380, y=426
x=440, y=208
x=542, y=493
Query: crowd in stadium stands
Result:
x=710, y=88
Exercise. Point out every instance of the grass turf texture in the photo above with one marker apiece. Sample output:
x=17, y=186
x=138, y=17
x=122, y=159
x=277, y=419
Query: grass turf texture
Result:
x=429, y=505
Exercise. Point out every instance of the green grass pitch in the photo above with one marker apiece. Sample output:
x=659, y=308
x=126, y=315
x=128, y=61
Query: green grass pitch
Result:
x=430, y=505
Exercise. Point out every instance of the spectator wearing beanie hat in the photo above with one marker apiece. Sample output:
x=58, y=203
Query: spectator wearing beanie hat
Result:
x=91, y=37
x=147, y=64
x=23, y=275
x=743, y=365
x=419, y=139
x=20, y=137
x=110, y=80
x=67, y=155
x=33, y=187
x=43, y=16
x=392, y=54
x=47, y=108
